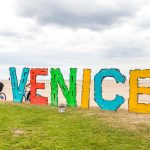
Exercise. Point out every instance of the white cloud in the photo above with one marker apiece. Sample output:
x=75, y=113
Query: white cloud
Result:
x=32, y=38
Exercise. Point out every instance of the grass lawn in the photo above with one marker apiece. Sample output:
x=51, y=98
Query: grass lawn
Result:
x=27, y=127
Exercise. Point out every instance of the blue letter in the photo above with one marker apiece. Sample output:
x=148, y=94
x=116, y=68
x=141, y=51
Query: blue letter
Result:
x=18, y=91
x=106, y=104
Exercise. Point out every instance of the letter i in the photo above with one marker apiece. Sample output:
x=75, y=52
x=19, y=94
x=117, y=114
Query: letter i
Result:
x=85, y=98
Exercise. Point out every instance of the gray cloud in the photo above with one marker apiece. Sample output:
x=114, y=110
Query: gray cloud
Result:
x=85, y=14
x=50, y=59
x=8, y=34
x=126, y=53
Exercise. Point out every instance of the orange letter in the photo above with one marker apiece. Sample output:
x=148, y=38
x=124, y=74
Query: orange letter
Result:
x=38, y=100
x=134, y=106
x=86, y=88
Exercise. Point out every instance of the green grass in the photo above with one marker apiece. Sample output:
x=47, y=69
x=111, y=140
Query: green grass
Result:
x=26, y=127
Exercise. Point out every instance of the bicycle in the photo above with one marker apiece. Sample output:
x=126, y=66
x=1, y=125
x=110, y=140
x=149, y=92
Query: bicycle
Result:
x=27, y=98
x=2, y=96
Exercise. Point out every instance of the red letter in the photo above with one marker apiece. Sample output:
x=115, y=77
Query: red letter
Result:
x=38, y=100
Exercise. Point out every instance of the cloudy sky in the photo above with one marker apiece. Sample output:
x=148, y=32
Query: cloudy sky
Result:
x=84, y=34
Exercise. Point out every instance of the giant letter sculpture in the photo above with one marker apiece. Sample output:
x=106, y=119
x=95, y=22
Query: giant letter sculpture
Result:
x=18, y=91
x=134, y=106
x=70, y=94
x=38, y=100
x=85, y=98
x=106, y=104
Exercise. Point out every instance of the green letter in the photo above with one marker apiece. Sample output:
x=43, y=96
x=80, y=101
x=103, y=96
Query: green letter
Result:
x=70, y=94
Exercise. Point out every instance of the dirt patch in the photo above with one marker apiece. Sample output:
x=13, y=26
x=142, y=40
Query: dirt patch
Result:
x=18, y=132
x=121, y=118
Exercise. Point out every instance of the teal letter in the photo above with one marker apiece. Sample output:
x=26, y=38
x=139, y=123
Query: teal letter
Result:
x=70, y=94
x=18, y=91
x=107, y=104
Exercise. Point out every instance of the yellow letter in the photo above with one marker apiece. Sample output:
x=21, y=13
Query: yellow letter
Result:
x=86, y=88
x=134, y=106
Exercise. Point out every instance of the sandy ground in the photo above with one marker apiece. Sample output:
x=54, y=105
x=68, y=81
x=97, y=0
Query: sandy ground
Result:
x=110, y=89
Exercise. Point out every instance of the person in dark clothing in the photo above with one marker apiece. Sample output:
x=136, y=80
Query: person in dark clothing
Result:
x=1, y=86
